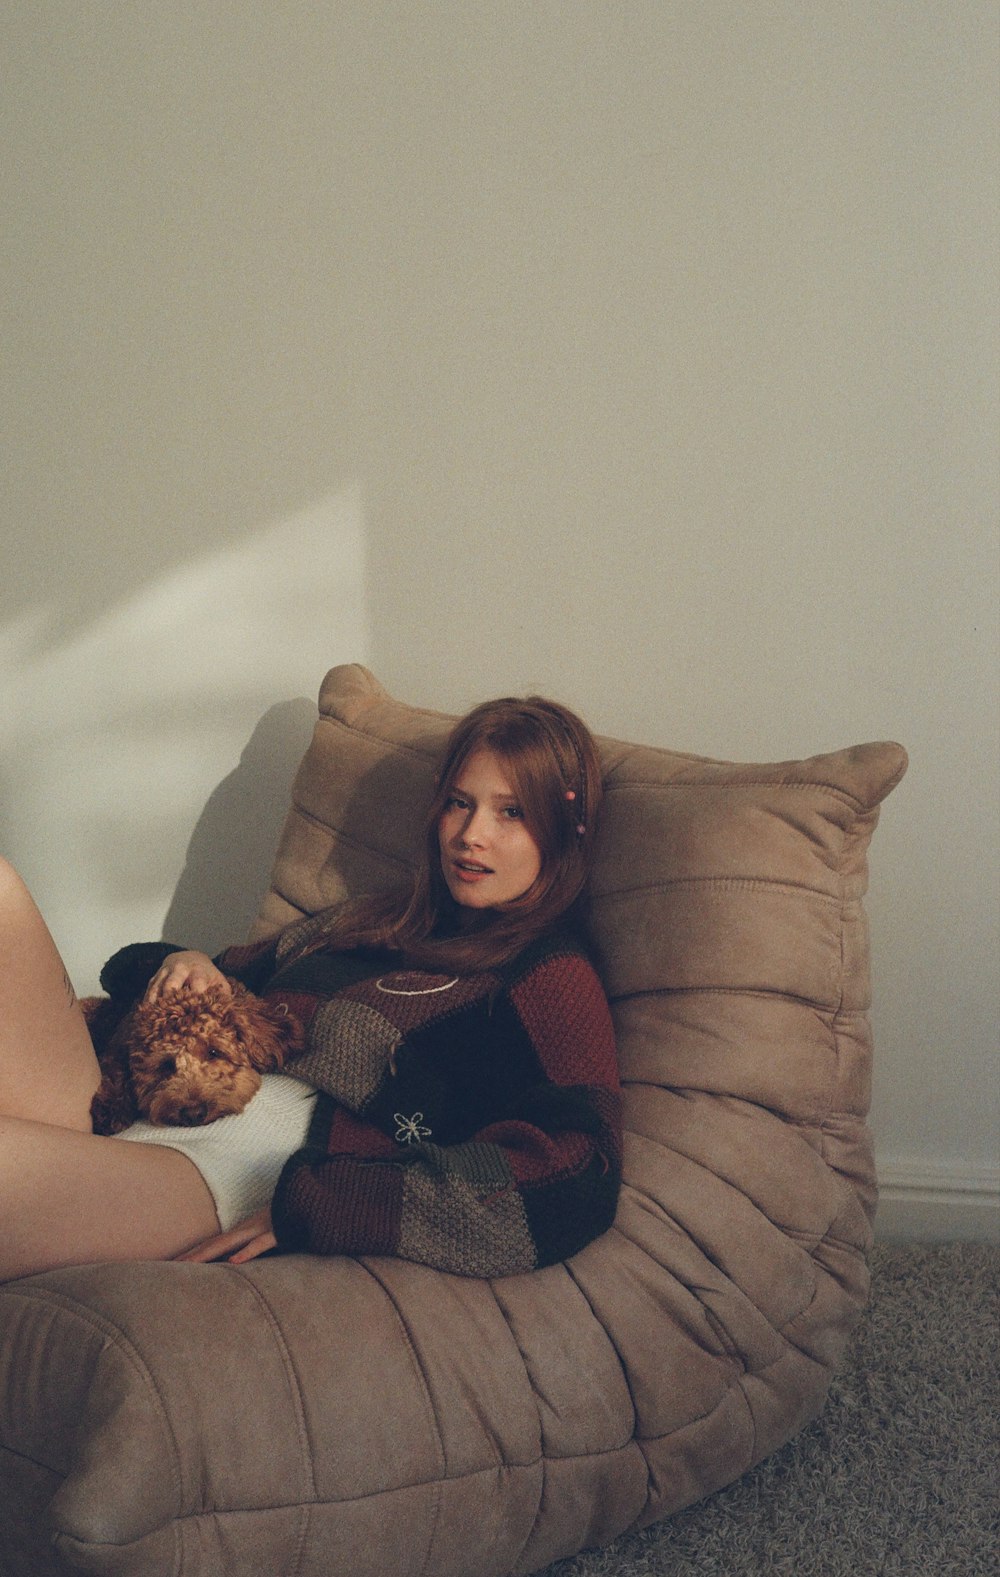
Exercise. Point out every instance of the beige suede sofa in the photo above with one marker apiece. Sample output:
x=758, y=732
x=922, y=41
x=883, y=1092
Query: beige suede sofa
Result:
x=304, y=1418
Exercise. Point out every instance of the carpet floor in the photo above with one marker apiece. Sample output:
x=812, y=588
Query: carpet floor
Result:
x=899, y=1475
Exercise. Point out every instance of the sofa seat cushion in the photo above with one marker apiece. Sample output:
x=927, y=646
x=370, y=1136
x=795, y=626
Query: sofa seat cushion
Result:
x=373, y=1416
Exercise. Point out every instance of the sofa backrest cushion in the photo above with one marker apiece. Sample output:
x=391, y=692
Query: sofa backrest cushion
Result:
x=725, y=910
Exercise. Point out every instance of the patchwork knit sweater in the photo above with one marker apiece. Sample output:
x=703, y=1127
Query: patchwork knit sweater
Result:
x=468, y=1123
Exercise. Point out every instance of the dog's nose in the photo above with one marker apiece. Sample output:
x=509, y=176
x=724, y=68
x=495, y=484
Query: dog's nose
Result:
x=191, y=1116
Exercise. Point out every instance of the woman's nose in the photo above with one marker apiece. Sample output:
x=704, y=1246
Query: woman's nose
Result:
x=472, y=829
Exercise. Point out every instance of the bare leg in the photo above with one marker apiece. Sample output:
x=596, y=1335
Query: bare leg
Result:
x=68, y=1197
x=48, y=1070
x=74, y=1198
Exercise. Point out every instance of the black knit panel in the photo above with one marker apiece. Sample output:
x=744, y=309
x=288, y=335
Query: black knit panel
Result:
x=564, y=1214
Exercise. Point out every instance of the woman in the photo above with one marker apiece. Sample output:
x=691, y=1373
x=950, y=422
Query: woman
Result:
x=457, y=1101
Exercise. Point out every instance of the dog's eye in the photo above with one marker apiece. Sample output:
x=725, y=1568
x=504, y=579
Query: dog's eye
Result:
x=168, y=1066
x=214, y=1054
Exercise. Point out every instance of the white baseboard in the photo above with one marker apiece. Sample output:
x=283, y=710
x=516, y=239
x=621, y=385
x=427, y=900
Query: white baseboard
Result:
x=935, y=1204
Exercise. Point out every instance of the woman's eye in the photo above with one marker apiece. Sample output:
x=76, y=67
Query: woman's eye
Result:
x=513, y=812
x=456, y=802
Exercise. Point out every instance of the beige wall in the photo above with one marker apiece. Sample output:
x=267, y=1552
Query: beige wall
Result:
x=644, y=354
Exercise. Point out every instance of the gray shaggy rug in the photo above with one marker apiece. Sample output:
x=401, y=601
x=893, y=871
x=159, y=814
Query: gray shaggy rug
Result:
x=899, y=1475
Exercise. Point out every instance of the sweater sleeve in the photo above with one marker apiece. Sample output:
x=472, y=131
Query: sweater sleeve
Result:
x=251, y=963
x=526, y=1190
x=128, y=972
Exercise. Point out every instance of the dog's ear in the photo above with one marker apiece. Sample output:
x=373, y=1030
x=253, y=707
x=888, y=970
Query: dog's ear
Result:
x=103, y=1017
x=268, y=1032
x=114, y=1105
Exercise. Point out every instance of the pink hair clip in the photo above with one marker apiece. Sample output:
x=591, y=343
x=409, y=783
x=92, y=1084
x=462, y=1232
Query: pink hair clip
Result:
x=581, y=826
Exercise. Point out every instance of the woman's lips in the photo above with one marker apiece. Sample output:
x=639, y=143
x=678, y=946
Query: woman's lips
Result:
x=470, y=870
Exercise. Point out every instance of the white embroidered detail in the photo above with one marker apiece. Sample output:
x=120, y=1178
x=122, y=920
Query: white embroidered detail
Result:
x=410, y=1130
x=397, y=991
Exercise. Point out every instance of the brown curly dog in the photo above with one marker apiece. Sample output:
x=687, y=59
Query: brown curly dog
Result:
x=187, y=1058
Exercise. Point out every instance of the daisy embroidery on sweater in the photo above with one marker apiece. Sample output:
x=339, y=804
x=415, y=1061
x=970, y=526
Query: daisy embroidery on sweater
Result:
x=410, y=1130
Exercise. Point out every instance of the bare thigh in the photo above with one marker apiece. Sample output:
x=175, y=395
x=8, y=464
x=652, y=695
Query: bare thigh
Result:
x=69, y=1198
x=48, y=1070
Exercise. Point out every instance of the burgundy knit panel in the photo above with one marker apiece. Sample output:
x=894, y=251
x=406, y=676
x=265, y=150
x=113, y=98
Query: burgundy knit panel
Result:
x=347, y=1207
x=534, y=1156
x=350, y=1135
x=564, y=1010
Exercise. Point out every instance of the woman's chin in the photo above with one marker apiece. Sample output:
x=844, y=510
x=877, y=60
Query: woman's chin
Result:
x=468, y=911
x=469, y=894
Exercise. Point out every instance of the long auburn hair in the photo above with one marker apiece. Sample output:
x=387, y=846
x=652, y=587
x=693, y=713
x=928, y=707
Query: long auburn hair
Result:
x=554, y=770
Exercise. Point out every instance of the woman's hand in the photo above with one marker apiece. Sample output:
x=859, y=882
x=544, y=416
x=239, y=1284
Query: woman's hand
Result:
x=248, y=1240
x=189, y=971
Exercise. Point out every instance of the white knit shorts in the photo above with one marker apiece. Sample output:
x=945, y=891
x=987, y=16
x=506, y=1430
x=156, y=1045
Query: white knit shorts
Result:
x=241, y=1157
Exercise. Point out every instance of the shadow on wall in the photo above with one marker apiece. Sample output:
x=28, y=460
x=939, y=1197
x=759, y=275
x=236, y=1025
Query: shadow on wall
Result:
x=232, y=848
x=120, y=738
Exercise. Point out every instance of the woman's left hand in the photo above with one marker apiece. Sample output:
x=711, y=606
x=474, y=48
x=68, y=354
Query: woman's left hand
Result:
x=247, y=1240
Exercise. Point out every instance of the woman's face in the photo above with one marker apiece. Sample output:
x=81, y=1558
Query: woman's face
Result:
x=488, y=856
